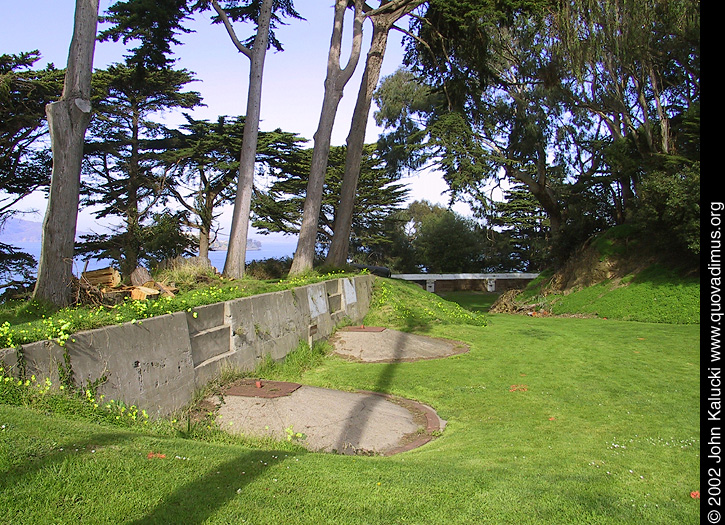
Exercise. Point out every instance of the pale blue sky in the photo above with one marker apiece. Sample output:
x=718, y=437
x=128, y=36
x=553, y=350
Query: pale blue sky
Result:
x=293, y=79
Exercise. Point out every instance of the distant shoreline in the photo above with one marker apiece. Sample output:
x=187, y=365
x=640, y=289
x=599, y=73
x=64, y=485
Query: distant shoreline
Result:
x=19, y=231
x=270, y=250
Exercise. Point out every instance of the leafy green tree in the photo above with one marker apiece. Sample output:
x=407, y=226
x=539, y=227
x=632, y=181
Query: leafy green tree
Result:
x=635, y=66
x=24, y=93
x=521, y=231
x=156, y=26
x=396, y=247
x=125, y=175
x=668, y=205
x=450, y=243
x=159, y=238
x=204, y=160
x=392, y=248
x=502, y=122
x=578, y=103
x=643, y=87
x=279, y=208
x=670, y=202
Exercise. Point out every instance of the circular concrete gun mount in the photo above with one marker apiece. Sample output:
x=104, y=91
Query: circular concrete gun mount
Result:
x=326, y=420
x=372, y=344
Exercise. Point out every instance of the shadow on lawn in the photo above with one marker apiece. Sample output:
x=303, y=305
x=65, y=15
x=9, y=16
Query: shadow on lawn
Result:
x=196, y=501
x=61, y=452
x=349, y=442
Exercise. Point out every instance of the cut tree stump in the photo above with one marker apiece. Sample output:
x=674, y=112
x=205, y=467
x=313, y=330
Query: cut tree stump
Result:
x=140, y=276
x=139, y=293
x=104, y=277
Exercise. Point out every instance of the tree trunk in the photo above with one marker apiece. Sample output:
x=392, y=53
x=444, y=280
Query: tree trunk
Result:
x=203, y=243
x=383, y=19
x=68, y=119
x=237, y=251
x=335, y=82
x=337, y=255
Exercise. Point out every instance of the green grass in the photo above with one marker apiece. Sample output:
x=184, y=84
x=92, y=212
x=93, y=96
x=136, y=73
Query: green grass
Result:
x=549, y=420
x=655, y=295
x=474, y=301
x=407, y=307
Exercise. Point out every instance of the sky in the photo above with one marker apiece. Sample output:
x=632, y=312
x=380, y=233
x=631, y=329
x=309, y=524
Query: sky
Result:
x=292, y=84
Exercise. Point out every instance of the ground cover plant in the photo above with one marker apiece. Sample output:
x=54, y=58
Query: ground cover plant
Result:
x=549, y=420
x=24, y=322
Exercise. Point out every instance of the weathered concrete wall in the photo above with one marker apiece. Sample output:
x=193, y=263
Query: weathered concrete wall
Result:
x=156, y=364
x=479, y=285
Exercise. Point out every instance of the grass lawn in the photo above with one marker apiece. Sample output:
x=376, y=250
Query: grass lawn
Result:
x=550, y=420
x=474, y=301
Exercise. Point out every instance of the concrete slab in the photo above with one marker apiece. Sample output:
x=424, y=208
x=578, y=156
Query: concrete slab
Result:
x=260, y=388
x=337, y=421
x=332, y=420
x=372, y=345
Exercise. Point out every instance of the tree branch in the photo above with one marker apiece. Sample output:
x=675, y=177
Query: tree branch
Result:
x=230, y=30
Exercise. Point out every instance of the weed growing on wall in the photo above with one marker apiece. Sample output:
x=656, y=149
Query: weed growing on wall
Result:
x=60, y=399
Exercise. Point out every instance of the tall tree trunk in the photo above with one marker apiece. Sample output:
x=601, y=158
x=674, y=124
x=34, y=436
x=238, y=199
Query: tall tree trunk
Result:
x=204, y=242
x=205, y=224
x=383, y=19
x=68, y=119
x=237, y=251
x=335, y=82
x=337, y=255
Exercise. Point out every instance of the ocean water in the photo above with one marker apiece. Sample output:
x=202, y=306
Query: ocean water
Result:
x=271, y=249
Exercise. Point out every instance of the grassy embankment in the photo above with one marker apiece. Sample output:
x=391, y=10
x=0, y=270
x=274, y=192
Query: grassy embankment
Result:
x=550, y=420
x=24, y=322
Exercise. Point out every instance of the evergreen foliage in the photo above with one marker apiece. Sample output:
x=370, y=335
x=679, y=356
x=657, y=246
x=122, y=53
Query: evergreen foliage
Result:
x=25, y=160
x=125, y=174
x=279, y=207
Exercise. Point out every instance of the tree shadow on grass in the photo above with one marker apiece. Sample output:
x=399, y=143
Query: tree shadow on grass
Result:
x=61, y=452
x=350, y=437
x=196, y=501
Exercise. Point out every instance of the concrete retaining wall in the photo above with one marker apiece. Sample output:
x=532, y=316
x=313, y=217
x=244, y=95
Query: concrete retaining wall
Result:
x=477, y=285
x=156, y=364
x=484, y=282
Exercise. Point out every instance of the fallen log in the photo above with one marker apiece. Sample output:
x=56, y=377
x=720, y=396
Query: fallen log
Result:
x=166, y=291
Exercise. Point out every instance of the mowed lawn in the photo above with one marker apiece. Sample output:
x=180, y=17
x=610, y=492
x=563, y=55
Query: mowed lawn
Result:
x=549, y=420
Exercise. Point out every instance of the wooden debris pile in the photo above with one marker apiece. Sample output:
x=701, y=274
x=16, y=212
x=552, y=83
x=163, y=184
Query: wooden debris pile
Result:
x=108, y=282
